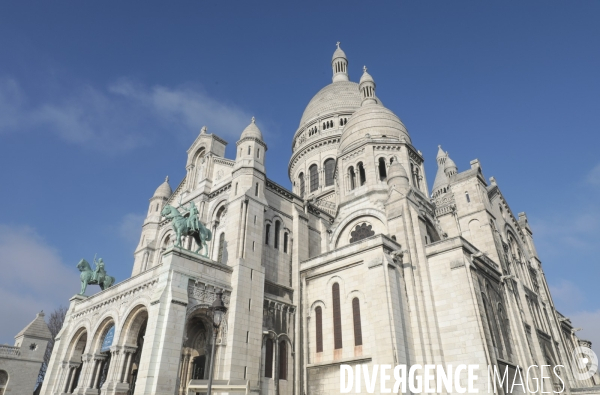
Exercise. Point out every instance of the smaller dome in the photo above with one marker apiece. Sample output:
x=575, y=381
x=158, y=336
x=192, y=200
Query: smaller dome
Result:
x=374, y=121
x=339, y=53
x=164, y=190
x=450, y=164
x=366, y=77
x=252, y=131
x=397, y=170
x=397, y=176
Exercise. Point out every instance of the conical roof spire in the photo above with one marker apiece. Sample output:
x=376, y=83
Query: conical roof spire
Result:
x=36, y=328
x=450, y=167
x=440, y=184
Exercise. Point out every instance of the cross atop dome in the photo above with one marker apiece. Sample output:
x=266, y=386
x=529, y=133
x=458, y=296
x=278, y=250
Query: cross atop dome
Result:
x=338, y=44
x=253, y=120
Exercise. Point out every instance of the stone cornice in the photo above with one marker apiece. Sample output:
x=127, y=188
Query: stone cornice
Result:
x=254, y=139
x=127, y=293
x=281, y=191
x=224, y=161
x=325, y=141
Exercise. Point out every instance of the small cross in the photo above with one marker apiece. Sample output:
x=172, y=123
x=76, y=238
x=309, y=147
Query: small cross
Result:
x=338, y=44
x=253, y=119
x=365, y=69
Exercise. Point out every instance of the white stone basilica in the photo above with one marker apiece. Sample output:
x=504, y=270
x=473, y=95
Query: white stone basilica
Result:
x=361, y=263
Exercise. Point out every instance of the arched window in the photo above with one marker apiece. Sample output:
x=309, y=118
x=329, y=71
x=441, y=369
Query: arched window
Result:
x=382, y=170
x=285, y=242
x=302, y=186
x=361, y=231
x=505, y=328
x=352, y=177
x=361, y=173
x=249, y=150
x=329, y=168
x=489, y=319
x=269, y=358
x=277, y=227
x=3, y=381
x=283, y=360
x=258, y=152
x=356, y=320
x=467, y=197
x=319, y=328
x=337, y=317
x=314, y=178
x=267, y=234
x=221, y=247
x=256, y=190
x=236, y=185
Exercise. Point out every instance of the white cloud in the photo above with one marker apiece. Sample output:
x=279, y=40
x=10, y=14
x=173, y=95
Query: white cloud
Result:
x=130, y=228
x=593, y=176
x=120, y=117
x=33, y=278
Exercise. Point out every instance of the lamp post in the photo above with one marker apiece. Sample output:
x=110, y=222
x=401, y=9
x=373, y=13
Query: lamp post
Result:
x=218, y=311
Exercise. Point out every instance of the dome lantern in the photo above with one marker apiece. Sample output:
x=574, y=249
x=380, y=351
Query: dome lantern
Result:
x=367, y=88
x=339, y=65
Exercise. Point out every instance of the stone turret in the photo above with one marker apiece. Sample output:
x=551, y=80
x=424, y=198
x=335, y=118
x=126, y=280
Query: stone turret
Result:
x=20, y=364
x=440, y=184
x=339, y=64
x=145, y=249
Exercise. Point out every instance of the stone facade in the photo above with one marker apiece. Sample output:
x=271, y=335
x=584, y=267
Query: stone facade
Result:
x=21, y=363
x=359, y=263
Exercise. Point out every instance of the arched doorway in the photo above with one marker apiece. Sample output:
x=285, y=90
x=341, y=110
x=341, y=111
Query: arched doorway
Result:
x=195, y=353
x=3, y=381
x=135, y=360
x=74, y=361
x=107, y=341
x=132, y=346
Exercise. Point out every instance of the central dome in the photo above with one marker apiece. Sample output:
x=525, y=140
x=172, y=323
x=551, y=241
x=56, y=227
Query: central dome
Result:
x=341, y=96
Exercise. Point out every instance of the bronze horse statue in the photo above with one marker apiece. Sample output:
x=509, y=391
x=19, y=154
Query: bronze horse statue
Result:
x=188, y=227
x=89, y=276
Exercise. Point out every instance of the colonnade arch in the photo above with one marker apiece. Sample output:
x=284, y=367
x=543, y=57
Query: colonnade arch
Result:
x=105, y=357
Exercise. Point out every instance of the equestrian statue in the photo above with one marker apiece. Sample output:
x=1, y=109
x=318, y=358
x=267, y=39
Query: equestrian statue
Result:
x=190, y=226
x=98, y=276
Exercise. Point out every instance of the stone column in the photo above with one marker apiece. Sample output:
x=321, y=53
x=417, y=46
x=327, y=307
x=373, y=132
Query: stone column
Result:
x=184, y=373
x=129, y=351
x=67, y=382
x=85, y=371
x=92, y=374
x=73, y=366
x=100, y=359
x=115, y=364
x=127, y=369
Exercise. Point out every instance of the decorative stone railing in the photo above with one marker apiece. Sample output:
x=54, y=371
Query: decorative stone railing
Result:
x=9, y=351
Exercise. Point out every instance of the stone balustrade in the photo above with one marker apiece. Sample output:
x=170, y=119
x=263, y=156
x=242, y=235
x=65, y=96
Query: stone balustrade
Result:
x=9, y=351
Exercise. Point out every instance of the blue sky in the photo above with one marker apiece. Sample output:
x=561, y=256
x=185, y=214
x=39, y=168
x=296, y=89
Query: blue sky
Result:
x=100, y=100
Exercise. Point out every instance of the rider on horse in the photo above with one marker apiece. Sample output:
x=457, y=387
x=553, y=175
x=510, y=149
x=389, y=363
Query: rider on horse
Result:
x=193, y=222
x=99, y=273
